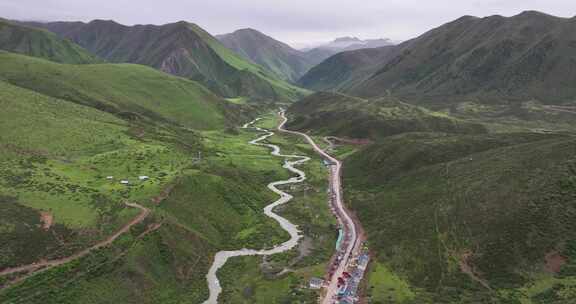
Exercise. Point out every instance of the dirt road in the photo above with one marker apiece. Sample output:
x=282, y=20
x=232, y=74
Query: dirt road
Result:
x=44, y=265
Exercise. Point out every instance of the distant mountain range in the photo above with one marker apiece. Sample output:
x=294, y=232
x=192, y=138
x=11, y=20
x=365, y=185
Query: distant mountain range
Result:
x=284, y=61
x=323, y=51
x=181, y=48
x=528, y=56
x=351, y=43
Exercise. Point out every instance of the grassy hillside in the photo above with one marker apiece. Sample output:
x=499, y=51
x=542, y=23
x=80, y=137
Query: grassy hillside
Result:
x=455, y=214
x=127, y=90
x=278, y=58
x=41, y=43
x=207, y=205
x=491, y=211
x=341, y=115
x=182, y=49
x=67, y=128
x=48, y=160
x=524, y=57
x=55, y=157
x=344, y=70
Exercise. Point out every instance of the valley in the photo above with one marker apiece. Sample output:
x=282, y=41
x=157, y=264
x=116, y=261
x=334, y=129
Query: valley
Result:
x=165, y=163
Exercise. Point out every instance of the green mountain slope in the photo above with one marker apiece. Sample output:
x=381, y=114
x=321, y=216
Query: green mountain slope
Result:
x=343, y=70
x=123, y=89
x=341, y=115
x=51, y=124
x=277, y=57
x=524, y=57
x=41, y=43
x=56, y=200
x=455, y=215
x=182, y=49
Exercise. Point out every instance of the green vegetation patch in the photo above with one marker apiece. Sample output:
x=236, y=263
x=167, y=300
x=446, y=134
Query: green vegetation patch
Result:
x=130, y=91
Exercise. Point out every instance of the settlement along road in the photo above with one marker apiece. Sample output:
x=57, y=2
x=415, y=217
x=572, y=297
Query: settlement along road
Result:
x=352, y=244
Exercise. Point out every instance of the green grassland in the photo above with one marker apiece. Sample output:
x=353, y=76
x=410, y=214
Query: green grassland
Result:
x=340, y=115
x=386, y=287
x=55, y=156
x=124, y=89
x=208, y=204
x=529, y=116
x=41, y=43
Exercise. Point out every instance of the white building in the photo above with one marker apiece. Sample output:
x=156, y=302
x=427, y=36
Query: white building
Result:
x=316, y=283
x=143, y=177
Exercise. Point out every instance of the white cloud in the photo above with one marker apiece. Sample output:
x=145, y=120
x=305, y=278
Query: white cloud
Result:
x=288, y=20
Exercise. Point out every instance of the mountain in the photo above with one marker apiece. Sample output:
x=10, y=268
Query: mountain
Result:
x=519, y=58
x=345, y=116
x=123, y=89
x=527, y=56
x=277, y=57
x=468, y=218
x=323, y=51
x=182, y=49
x=354, y=43
x=464, y=207
x=344, y=70
x=41, y=43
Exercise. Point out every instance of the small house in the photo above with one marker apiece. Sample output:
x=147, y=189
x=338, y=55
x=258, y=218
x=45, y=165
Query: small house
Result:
x=124, y=182
x=316, y=283
x=109, y=177
x=363, y=261
x=143, y=177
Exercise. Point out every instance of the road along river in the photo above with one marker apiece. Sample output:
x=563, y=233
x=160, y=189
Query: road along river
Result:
x=223, y=256
x=352, y=240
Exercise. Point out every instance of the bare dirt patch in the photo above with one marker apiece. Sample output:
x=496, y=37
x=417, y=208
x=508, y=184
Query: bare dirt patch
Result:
x=47, y=219
x=468, y=269
x=165, y=193
x=554, y=261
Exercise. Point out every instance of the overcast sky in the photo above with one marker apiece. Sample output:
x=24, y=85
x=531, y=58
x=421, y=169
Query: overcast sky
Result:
x=293, y=21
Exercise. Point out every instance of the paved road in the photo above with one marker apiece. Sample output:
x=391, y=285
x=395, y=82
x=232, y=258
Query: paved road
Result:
x=344, y=218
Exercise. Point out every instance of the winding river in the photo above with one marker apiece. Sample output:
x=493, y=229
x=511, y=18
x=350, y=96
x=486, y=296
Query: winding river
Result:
x=223, y=256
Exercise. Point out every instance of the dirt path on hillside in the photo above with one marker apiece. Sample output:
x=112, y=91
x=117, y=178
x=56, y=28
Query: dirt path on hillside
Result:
x=565, y=109
x=44, y=264
x=469, y=270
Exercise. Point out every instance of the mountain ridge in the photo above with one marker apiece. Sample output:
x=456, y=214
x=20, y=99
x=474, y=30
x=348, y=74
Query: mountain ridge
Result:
x=276, y=56
x=35, y=42
x=489, y=59
x=180, y=48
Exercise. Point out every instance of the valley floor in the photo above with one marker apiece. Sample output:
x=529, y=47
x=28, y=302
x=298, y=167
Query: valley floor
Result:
x=212, y=201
